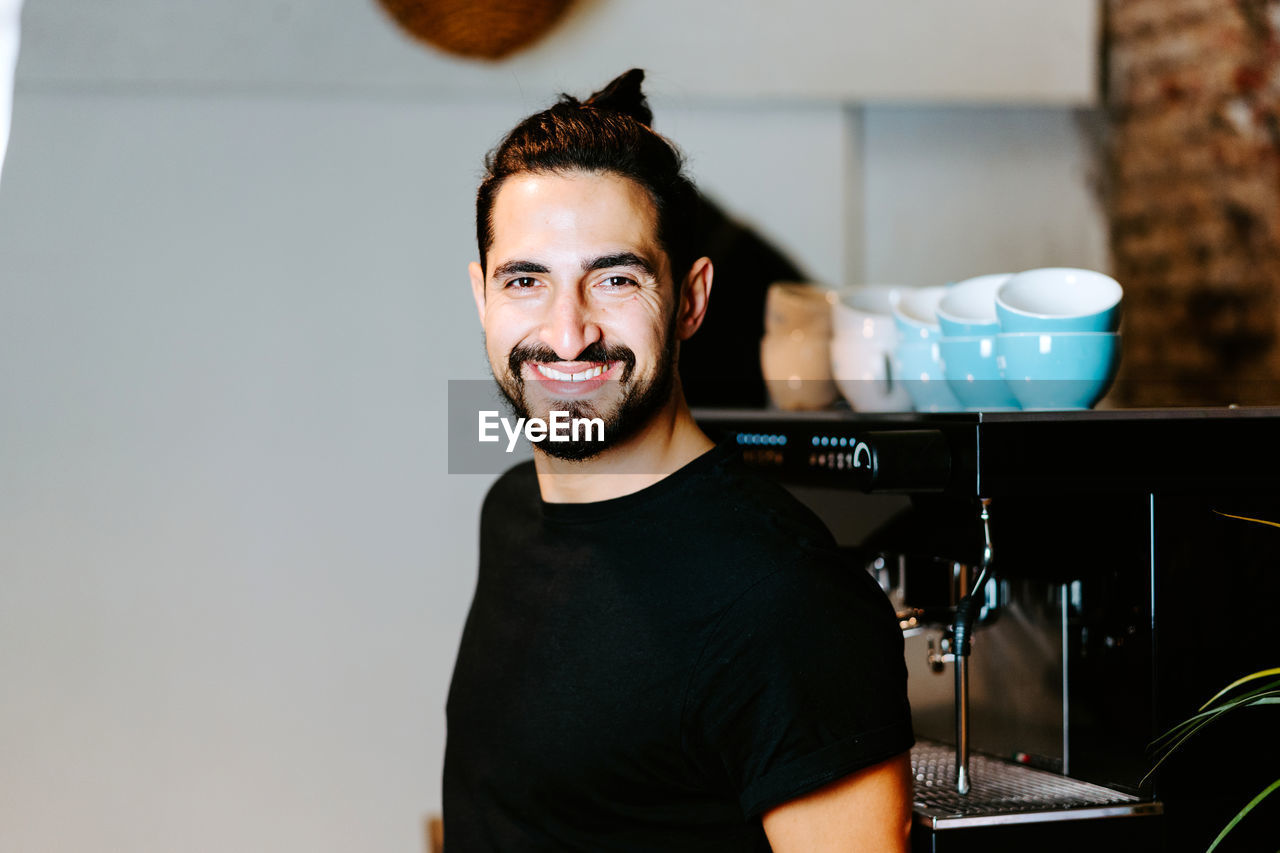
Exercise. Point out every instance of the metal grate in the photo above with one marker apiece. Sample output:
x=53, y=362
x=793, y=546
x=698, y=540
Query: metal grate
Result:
x=1003, y=792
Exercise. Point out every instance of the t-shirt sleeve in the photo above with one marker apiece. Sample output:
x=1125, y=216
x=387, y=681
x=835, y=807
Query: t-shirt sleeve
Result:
x=802, y=682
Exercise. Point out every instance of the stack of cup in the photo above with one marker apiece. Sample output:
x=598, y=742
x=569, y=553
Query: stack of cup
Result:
x=917, y=359
x=967, y=316
x=1059, y=344
x=794, y=350
x=1039, y=339
x=864, y=336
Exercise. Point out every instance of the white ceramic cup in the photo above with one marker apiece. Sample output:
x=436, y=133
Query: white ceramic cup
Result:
x=863, y=372
x=862, y=308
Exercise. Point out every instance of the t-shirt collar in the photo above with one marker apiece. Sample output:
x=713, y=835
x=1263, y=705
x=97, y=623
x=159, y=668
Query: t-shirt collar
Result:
x=593, y=510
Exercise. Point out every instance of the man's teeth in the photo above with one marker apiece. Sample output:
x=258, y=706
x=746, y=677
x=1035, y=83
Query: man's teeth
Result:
x=589, y=373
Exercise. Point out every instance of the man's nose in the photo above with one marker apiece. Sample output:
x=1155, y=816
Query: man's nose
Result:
x=569, y=327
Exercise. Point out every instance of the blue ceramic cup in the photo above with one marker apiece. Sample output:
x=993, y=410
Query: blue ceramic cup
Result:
x=1059, y=299
x=1058, y=370
x=969, y=364
x=916, y=313
x=968, y=307
x=918, y=367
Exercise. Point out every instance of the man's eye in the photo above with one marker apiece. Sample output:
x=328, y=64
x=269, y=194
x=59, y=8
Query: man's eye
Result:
x=618, y=281
x=523, y=281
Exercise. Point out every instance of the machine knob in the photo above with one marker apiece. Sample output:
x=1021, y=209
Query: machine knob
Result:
x=901, y=461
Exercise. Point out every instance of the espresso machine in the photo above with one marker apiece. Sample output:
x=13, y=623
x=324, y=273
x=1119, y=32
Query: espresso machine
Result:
x=1069, y=585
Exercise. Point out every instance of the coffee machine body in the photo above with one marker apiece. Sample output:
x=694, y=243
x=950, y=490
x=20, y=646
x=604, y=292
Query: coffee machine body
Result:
x=1121, y=598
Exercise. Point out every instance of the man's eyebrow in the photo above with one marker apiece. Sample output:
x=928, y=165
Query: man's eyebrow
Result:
x=513, y=267
x=619, y=259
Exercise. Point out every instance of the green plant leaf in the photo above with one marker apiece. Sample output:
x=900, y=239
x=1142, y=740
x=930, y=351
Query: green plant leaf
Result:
x=1170, y=741
x=1251, y=677
x=1269, y=689
x=1240, y=814
x=1172, y=748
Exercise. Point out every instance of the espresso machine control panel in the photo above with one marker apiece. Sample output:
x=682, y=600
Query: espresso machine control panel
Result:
x=979, y=454
x=862, y=457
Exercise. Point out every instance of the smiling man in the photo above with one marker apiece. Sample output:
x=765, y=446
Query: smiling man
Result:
x=664, y=652
x=575, y=253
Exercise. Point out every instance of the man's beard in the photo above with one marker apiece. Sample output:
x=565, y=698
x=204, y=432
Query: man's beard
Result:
x=639, y=403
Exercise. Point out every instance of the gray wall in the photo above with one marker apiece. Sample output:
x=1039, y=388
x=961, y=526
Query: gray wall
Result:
x=233, y=240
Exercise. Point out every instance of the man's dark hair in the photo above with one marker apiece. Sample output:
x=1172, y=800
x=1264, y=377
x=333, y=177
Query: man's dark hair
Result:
x=608, y=132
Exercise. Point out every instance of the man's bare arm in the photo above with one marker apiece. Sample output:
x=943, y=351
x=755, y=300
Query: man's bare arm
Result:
x=869, y=810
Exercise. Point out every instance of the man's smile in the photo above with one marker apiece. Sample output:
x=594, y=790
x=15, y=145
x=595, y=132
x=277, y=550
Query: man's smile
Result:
x=569, y=380
x=574, y=371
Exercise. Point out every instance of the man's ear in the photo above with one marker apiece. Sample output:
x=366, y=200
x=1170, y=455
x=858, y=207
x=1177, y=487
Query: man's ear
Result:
x=695, y=294
x=477, y=287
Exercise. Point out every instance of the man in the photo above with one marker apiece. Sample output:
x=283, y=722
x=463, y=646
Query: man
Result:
x=663, y=653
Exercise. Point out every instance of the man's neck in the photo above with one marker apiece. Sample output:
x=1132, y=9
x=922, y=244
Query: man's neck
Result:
x=667, y=443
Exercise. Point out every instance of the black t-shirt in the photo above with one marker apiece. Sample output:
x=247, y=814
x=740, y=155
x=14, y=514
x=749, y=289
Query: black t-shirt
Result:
x=655, y=671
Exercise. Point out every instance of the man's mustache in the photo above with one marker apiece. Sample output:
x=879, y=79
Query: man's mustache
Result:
x=543, y=354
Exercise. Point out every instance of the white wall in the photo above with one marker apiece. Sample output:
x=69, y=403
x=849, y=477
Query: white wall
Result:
x=958, y=191
x=233, y=570
x=1010, y=51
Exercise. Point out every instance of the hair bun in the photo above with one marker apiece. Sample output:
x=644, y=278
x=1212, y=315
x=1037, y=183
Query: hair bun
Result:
x=623, y=95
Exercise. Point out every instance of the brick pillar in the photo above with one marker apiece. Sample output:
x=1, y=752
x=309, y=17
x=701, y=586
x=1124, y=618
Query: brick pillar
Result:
x=1193, y=97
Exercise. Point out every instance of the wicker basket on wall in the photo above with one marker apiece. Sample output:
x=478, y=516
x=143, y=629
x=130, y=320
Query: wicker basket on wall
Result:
x=483, y=29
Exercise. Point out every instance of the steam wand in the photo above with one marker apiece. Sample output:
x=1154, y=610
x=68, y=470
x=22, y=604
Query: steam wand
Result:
x=960, y=647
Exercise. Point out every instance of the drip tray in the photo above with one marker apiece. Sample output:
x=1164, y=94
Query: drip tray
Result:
x=1001, y=792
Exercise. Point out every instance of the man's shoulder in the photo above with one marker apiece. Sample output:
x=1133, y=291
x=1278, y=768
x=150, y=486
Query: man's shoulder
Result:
x=517, y=486
x=735, y=526
x=743, y=499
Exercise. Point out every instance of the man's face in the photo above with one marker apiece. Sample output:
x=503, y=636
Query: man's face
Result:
x=578, y=303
